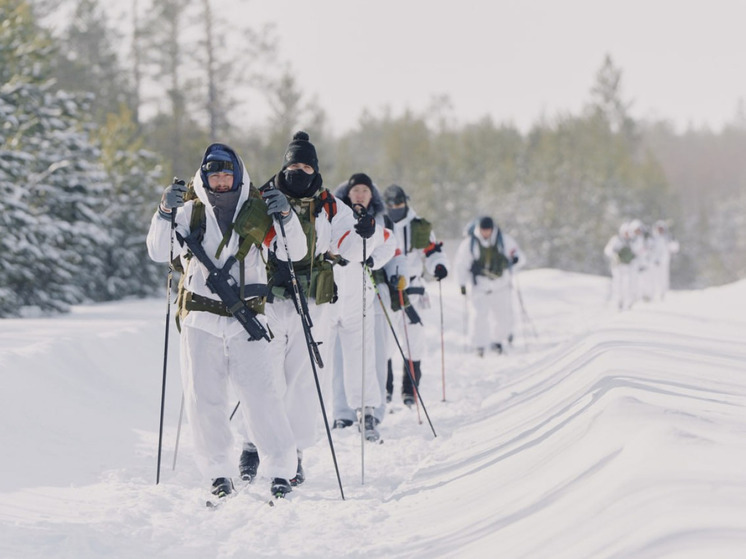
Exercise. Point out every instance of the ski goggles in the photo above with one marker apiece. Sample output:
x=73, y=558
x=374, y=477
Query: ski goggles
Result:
x=217, y=167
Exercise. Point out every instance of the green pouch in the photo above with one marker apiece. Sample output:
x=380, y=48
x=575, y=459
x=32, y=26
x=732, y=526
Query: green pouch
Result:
x=394, y=296
x=421, y=229
x=626, y=255
x=252, y=222
x=322, y=282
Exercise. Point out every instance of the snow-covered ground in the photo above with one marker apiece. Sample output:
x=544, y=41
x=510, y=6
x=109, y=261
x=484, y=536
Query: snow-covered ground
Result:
x=606, y=435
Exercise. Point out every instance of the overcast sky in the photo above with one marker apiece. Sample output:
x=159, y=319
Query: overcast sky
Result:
x=682, y=60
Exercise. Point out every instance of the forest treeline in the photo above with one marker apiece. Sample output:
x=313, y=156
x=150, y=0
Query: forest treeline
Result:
x=86, y=148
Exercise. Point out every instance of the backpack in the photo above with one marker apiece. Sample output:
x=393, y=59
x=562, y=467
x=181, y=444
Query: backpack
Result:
x=314, y=273
x=492, y=260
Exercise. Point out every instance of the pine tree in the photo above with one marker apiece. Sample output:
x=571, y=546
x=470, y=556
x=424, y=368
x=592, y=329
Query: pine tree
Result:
x=52, y=185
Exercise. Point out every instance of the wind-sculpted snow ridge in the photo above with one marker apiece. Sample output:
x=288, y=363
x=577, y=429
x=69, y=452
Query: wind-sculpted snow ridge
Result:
x=606, y=435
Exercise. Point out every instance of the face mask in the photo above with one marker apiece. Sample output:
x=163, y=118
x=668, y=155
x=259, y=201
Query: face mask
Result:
x=397, y=214
x=298, y=182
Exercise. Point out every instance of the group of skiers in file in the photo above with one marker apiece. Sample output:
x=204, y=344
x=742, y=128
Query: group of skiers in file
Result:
x=316, y=280
x=639, y=259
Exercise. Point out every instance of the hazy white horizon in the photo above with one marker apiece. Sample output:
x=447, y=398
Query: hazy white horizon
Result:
x=512, y=60
x=515, y=61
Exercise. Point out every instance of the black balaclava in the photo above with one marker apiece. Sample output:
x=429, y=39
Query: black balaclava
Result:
x=298, y=183
x=395, y=195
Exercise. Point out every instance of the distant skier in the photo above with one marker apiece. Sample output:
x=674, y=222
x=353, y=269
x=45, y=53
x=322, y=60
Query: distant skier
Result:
x=485, y=261
x=620, y=256
x=421, y=254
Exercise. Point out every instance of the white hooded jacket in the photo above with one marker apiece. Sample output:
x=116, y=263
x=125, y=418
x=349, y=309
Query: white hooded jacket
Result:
x=159, y=242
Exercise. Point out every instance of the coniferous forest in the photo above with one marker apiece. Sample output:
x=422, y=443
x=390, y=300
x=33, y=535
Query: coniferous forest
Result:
x=96, y=122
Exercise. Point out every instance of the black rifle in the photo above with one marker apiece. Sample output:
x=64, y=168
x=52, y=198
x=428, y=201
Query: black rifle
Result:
x=222, y=284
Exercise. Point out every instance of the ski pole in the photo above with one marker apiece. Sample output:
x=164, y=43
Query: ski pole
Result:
x=178, y=432
x=360, y=212
x=523, y=308
x=314, y=356
x=466, y=323
x=442, y=343
x=396, y=339
x=165, y=344
x=362, y=388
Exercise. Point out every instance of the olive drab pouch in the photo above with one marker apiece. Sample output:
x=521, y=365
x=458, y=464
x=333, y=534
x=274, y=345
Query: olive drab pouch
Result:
x=420, y=232
x=252, y=222
x=322, y=282
x=626, y=255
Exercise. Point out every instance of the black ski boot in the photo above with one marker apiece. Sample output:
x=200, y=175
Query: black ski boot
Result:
x=222, y=487
x=407, y=392
x=389, y=381
x=300, y=475
x=342, y=423
x=497, y=346
x=280, y=487
x=248, y=464
x=369, y=425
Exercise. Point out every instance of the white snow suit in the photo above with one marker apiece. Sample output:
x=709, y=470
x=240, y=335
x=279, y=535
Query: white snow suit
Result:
x=219, y=365
x=347, y=327
x=334, y=234
x=413, y=265
x=491, y=291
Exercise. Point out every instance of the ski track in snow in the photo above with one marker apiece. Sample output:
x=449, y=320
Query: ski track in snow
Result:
x=607, y=435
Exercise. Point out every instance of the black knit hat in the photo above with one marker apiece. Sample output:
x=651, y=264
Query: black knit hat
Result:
x=395, y=195
x=486, y=223
x=301, y=150
x=360, y=178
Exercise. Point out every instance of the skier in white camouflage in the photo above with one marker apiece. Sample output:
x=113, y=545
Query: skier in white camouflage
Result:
x=361, y=195
x=421, y=255
x=485, y=261
x=219, y=364
x=331, y=229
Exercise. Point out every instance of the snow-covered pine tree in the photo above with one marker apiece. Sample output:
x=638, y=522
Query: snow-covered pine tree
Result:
x=53, y=188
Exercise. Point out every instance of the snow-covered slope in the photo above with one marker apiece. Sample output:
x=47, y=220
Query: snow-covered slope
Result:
x=604, y=435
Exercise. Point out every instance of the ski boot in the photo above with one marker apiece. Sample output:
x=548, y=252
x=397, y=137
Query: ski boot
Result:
x=369, y=425
x=222, y=487
x=342, y=423
x=300, y=475
x=248, y=464
x=280, y=487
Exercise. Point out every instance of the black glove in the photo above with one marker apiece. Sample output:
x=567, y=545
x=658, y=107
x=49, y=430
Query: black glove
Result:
x=277, y=203
x=369, y=262
x=514, y=259
x=366, y=226
x=173, y=197
x=394, y=282
x=476, y=268
x=440, y=272
x=463, y=290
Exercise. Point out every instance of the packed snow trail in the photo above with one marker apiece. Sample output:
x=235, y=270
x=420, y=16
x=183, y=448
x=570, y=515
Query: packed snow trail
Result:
x=611, y=435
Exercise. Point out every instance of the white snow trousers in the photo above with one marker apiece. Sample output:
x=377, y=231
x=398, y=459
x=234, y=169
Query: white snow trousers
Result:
x=217, y=372
x=290, y=350
x=492, y=316
x=349, y=385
